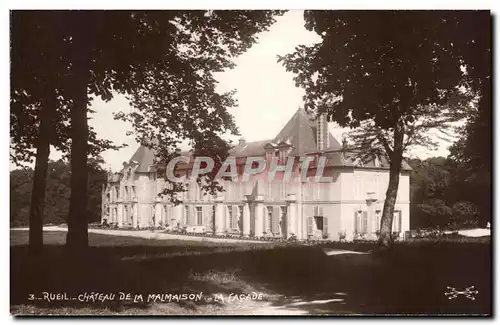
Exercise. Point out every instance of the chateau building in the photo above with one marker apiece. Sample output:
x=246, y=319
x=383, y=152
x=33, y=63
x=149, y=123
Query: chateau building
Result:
x=348, y=206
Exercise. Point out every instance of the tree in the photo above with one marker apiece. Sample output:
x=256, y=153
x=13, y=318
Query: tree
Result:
x=393, y=73
x=57, y=193
x=138, y=53
x=472, y=152
x=39, y=107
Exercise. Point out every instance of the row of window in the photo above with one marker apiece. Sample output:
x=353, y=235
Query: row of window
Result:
x=362, y=225
x=129, y=193
x=274, y=217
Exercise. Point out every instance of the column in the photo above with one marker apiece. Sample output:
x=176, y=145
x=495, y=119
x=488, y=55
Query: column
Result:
x=119, y=217
x=157, y=208
x=290, y=215
x=246, y=217
x=220, y=225
x=259, y=209
x=135, y=210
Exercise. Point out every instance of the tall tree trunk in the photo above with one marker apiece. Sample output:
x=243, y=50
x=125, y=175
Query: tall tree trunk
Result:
x=395, y=159
x=77, y=237
x=40, y=174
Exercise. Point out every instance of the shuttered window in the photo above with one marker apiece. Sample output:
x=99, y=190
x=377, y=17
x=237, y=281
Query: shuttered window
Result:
x=364, y=228
x=361, y=222
x=319, y=223
x=309, y=225
x=199, y=216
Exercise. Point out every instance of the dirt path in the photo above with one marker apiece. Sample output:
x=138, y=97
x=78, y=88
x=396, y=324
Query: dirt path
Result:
x=149, y=234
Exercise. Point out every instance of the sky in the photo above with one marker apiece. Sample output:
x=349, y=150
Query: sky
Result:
x=266, y=93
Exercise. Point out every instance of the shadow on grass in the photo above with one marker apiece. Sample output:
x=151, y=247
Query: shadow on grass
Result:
x=410, y=279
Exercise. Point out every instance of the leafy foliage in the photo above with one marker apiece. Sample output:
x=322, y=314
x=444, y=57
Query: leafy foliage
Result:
x=440, y=197
x=57, y=193
x=394, y=74
x=163, y=60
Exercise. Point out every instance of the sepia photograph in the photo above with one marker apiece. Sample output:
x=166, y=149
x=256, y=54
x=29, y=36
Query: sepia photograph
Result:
x=216, y=162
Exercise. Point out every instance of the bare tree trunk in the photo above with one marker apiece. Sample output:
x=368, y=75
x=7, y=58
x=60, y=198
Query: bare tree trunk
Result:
x=395, y=158
x=40, y=174
x=77, y=237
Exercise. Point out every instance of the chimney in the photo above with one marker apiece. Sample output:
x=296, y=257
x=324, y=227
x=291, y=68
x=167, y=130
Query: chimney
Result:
x=344, y=144
x=322, y=138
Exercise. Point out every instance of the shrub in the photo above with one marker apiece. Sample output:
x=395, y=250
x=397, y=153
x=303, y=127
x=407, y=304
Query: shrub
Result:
x=342, y=235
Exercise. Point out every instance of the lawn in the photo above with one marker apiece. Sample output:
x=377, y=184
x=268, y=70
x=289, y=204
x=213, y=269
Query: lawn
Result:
x=410, y=279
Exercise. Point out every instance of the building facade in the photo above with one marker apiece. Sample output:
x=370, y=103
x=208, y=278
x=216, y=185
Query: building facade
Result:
x=348, y=206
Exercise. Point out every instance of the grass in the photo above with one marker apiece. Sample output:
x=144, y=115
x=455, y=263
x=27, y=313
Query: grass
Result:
x=410, y=279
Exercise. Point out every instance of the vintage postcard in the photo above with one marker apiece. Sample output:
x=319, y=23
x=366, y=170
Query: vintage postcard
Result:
x=250, y=162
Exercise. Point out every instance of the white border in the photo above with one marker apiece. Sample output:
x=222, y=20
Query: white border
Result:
x=255, y=4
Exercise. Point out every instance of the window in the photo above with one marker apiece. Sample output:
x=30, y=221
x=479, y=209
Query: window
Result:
x=269, y=218
x=319, y=222
x=240, y=210
x=361, y=223
x=282, y=160
x=126, y=193
x=199, y=215
x=364, y=227
x=283, y=218
x=230, y=216
x=186, y=215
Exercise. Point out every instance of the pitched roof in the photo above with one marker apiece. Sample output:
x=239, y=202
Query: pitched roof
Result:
x=299, y=132
x=144, y=157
